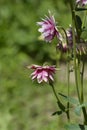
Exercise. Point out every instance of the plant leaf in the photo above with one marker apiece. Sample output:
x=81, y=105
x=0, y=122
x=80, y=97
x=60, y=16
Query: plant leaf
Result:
x=78, y=110
x=84, y=104
x=80, y=9
x=69, y=99
x=61, y=106
x=79, y=24
x=57, y=113
x=75, y=127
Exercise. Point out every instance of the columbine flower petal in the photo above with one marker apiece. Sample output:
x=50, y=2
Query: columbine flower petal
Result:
x=51, y=77
x=41, y=30
x=81, y=2
x=48, y=28
x=45, y=79
x=43, y=73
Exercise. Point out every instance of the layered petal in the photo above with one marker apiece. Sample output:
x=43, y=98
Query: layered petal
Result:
x=48, y=28
x=42, y=73
x=81, y=2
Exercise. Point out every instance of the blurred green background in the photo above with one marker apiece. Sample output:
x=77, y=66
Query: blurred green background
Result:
x=25, y=105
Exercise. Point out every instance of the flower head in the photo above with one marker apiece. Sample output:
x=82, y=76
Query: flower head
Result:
x=62, y=47
x=42, y=73
x=81, y=48
x=81, y=2
x=48, y=28
x=69, y=35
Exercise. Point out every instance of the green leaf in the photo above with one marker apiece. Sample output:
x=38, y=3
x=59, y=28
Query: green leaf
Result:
x=80, y=9
x=84, y=104
x=84, y=29
x=57, y=113
x=61, y=106
x=78, y=110
x=75, y=127
x=69, y=99
x=79, y=24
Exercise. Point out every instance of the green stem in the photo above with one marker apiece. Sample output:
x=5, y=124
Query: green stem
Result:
x=61, y=106
x=68, y=72
x=72, y=6
x=74, y=46
x=78, y=74
x=82, y=74
x=84, y=19
x=68, y=105
x=54, y=92
x=82, y=93
x=75, y=64
x=80, y=82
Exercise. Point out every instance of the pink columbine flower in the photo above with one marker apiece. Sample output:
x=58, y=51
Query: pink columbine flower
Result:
x=70, y=36
x=81, y=2
x=48, y=28
x=62, y=47
x=43, y=73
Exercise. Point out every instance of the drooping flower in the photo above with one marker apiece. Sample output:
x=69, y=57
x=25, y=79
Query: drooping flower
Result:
x=49, y=29
x=70, y=36
x=81, y=2
x=42, y=73
x=81, y=49
x=62, y=47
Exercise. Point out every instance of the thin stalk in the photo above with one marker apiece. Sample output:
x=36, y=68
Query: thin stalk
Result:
x=80, y=82
x=68, y=79
x=82, y=94
x=72, y=6
x=54, y=91
x=68, y=76
x=58, y=101
x=74, y=45
x=79, y=74
x=84, y=19
x=82, y=75
x=75, y=64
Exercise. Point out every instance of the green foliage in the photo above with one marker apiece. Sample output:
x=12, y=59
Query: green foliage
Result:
x=75, y=127
x=20, y=46
x=18, y=25
x=69, y=99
